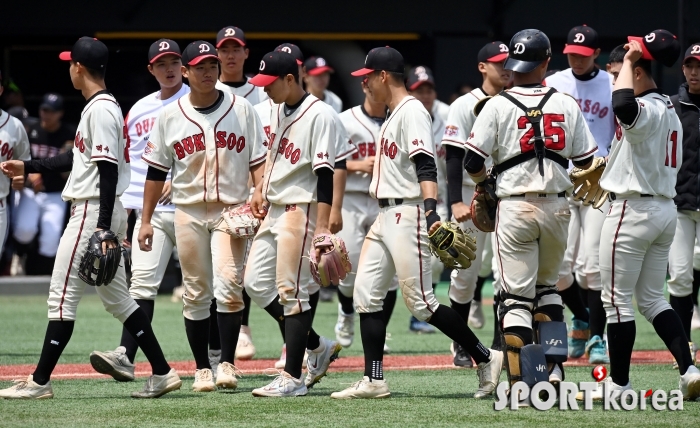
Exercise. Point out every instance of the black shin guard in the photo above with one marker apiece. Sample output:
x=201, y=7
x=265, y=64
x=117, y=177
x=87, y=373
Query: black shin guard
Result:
x=58, y=333
x=453, y=326
x=128, y=340
x=373, y=331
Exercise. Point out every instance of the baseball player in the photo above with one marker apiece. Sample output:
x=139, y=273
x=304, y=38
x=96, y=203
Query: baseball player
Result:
x=99, y=175
x=404, y=184
x=232, y=51
x=592, y=89
x=459, y=124
x=641, y=177
x=317, y=78
x=532, y=181
x=147, y=268
x=295, y=199
x=211, y=140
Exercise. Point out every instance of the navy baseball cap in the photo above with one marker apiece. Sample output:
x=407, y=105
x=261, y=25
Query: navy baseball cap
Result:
x=161, y=48
x=384, y=58
x=230, y=33
x=293, y=50
x=273, y=66
x=659, y=45
x=692, y=52
x=51, y=101
x=198, y=51
x=418, y=76
x=582, y=40
x=19, y=112
x=493, y=52
x=88, y=51
x=317, y=65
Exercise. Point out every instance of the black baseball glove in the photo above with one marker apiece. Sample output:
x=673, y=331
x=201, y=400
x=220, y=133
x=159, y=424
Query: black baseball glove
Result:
x=96, y=267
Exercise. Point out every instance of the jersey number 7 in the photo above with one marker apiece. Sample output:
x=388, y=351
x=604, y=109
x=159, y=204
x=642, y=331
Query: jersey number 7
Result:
x=551, y=130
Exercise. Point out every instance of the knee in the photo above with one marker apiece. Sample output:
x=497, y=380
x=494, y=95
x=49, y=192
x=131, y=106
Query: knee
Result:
x=651, y=309
x=547, y=295
x=143, y=292
x=121, y=310
x=195, y=309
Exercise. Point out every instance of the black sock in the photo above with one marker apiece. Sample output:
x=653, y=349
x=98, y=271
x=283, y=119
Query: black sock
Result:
x=314, y=340
x=480, y=280
x=214, y=335
x=229, y=327
x=496, y=342
x=245, y=314
x=58, y=334
x=140, y=328
x=696, y=286
x=572, y=299
x=373, y=332
x=463, y=308
x=620, y=343
x=346, y=303
x=597, y=317
x=297, y=328
x=684, y=308
x=449, y=322
x=313, y=302
x=583, y=292
x=388, y=306
x=128, y=340
x=198, y=337
x=668, y=326
x=276, y=311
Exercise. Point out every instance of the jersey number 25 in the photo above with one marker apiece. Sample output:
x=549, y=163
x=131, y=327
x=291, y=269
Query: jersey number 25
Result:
x=554, y=136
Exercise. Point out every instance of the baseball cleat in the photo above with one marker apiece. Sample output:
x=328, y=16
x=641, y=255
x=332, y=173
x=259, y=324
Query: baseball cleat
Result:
x=345, y=328
x=226, y=376
x=245, y=350
x=695, y=321
x=556, y=376
x=489, y=374
x=27, y=389
x=318, y=361
x=214, y=357
x=387, y=337
x=203, y=381
x=690, y=384
x=476, y=315
x=578, y=337
x=157, y=386
x=693, y=352
x=460, y=357
x=279, y=364
x=114, y=363
x=608, y=384
x=365, y=388
x=421, y=327
x=596, y=351
x=284, y=385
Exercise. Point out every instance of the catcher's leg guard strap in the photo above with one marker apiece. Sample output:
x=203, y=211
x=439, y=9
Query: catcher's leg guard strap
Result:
x=514, y=339
x=515, y=310
x=548, y=295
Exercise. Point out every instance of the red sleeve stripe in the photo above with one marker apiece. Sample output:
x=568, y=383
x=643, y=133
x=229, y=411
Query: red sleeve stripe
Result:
x=323, y=165
x=155, y=165
x=104, y=157
x=258, y=160
x=585, y=155
x=421, y=150
x=481, y=152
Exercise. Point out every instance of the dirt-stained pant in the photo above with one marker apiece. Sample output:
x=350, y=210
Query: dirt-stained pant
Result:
x=148, y=267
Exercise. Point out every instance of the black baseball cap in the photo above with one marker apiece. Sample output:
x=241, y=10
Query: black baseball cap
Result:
x=293, y=50
x=273, y=66
x=418, y=76
x=317, y=65
x=692, y=52
x=88, y=51
x=51, y=101
x=230, y=33
x=161, y=48
x=582, y=40
x=493, y=52
x=198, y=51
x=659, y=45
x=384, y=58
x=19, y=112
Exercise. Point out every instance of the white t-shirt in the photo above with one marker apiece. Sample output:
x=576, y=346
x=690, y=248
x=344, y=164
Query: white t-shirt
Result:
x=254, y=94
x=14, y=145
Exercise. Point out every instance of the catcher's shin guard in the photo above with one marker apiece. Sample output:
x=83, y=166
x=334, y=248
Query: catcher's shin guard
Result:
x=551, y=335
x=516, y=340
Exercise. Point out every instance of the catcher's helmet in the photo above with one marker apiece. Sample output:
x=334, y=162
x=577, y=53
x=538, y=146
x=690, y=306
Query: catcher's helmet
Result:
x=528, y=49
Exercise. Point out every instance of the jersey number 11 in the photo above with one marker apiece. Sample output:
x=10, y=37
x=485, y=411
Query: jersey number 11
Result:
x=674, y=143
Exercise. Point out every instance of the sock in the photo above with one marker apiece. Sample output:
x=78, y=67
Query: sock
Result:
x=198, y=337
x=229, y=327
x=597, y=317
x=480, y=280
x=449, y=322
x=463, y=308
x=346, y=303
x=696, y=286
x=245, y=314
x=583, y=292
x=276, y=311
x=313, y=302
x=214, y=335
x=373, y=331
x=496, y=342
x=296, y=335
x=128, y=340
x=684, y=308
x=140, y=328
x=572, y=299
x=58, y=334
x=389, y=303
x=668, y=326
x=620, y=343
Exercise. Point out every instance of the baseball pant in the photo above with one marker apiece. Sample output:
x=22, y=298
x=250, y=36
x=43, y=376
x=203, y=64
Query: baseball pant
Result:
x=463, y=281
x=35, y=211
x=634, y=260
x=397, y=244
x=209, y=258
x=573, y=247
x=696, y=255
x=494, y=264
x=681, y=257
x=4, y=223
x=148, y=267
x=66, y=287
x=278, y=265
x=531, y=234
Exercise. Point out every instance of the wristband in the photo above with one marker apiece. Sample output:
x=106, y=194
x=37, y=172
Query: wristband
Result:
x=430, y=204
x=431, y=219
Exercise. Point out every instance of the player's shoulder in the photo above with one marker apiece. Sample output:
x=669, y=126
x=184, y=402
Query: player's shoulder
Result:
x=238, y=100
x=661, y=101
x=101, y=105
x=333, y=97
x=468, y=100
x=558, y=78
x=10, y=123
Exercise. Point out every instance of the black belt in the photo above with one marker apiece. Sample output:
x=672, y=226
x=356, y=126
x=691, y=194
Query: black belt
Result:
x=642, y=195
x=541, y=195
x=385, y=202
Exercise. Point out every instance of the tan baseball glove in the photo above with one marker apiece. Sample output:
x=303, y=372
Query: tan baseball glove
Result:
x=587, y=188
x=483, y=208
x=455, y=248
x=239, y=221
x=334, y=264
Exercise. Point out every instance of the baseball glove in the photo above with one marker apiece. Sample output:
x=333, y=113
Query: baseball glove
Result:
x=334, y=264
x=240, y=222
x=483, y=208
x=455, y=248
x=587, y=188
x=96, y=267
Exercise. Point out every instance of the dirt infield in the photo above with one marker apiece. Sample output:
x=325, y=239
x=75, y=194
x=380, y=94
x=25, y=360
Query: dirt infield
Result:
x=344, y=364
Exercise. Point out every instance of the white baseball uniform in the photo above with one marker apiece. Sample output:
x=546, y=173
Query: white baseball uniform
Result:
x=148, y=267
x=333, y=100
x=300, y=143
x=641, y=221
x=14, y=145
x=210, y=154
x=438, y=129
x=397, y=242
x=441, y=110
x=100, y=137
x=254, y=94
x=533, y=215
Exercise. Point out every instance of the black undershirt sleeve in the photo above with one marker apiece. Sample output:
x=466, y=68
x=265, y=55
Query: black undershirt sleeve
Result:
x=473, y=162
x=60, y=163
x=109, y=175
x=455, y=171
x=154, y=174
x=625, y=106
x=324, y=186
x=426, y=170
x=343, y=164
x=582, y=162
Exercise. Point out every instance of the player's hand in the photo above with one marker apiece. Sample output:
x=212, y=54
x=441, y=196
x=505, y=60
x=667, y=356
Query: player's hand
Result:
x=435, y=226
x=36, y=182
x=106, y=244
x=367, y=165
x=12, y=168
x=166, y=194
x=336, y=220
x=461, y=212
x=126, y=243
x=18, y=182
x=324, y=249
x=257, y=205
x=634, y=51
x=146, y=237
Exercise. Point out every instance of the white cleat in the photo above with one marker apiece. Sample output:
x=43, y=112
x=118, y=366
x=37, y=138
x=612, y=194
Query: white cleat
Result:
x=284, y=385
x=214, y=358
x=279, y=364
x=364, y=389
x=607, y=383
x=476, y=315
x=114, y=363
x=319, y=361
x=157, y=386
x=203, y=381
x=690, y=384
x=226, y=376
x=345, y=328
x=556, y=376
x=245, y=350
x=27, y=389
x=489, y=374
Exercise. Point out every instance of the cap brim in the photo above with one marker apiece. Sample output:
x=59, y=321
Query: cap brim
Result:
x=498, y=58
x=48, y=107
x=362, y=72
x=262, y=79
x=320, y=70
x=519, y=66
x=417, y=84
x=645, y=52
x=691, y=56
x=160, y=55
x=201, y=58
x=300, y=62
x=65, y=56
x=579, y=50
x=221, y=42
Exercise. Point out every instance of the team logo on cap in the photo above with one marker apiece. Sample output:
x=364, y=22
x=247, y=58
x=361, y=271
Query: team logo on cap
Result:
x=262, y=65
x=286, y=49
x=203, y=48
x=579, y=38
x=695, y=50
x=519, y=48
x=52, y=97
x=650, y=37
x=164, y=46
x=503, y=48
x=419, y=71
x=230, y=32
x=320, y=62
